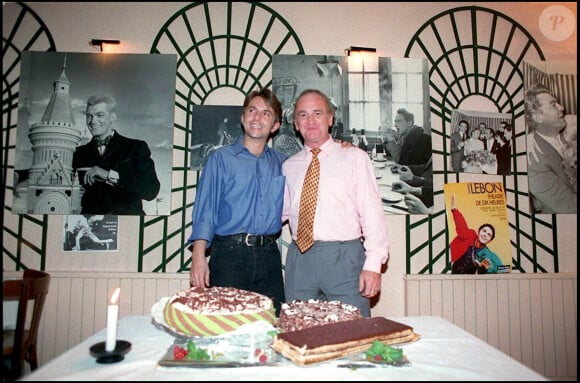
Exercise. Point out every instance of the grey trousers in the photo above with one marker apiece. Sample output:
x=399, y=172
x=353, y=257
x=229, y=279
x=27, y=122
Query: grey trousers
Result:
x=327, y=271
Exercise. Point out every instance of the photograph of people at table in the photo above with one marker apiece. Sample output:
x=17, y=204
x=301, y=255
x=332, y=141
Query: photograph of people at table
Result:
x=409, y=159
x=486, y=147
x=366, y=107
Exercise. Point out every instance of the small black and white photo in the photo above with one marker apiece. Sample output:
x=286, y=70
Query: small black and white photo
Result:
x=90, y=232
x=95, y=134
x=481, y=142
x=213, y=126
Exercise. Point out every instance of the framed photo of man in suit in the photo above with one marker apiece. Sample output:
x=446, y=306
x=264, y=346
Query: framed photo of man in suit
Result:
x=550, y=110
x=95, y=134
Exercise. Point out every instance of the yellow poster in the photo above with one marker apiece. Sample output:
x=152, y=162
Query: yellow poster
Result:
x=477, y=220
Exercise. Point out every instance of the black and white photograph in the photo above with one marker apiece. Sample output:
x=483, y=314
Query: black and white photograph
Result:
x=481, y=142
x=213, y=126
x=95, y=134
x=90, y=232
x=381, y=105
x=550, y=106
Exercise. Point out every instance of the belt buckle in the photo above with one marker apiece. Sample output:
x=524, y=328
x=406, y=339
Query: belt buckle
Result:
x=248, y=236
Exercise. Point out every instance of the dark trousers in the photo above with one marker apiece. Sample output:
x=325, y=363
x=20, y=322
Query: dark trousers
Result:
x=253, y=268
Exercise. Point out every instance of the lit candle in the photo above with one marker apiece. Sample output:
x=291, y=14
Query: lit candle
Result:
x=112, y=314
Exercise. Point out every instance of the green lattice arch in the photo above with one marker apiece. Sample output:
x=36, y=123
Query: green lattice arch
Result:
x=213, y=51
x=475, y=51
x=24, y=240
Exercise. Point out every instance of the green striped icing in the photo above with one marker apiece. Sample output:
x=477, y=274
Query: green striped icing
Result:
x=209, y=325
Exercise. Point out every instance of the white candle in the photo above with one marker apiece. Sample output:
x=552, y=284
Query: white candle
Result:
x=112, y=314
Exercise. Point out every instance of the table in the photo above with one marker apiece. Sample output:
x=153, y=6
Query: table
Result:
x=444, y=352
x=385, y=178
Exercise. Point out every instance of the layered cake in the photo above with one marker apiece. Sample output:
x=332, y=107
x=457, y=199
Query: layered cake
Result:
x=216, y=310
x=299, y=314
x=336, y=340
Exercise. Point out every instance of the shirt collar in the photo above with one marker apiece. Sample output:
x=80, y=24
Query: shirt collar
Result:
x=104, y=141
x=328, y=147
x=239, y=147
x=554, y=141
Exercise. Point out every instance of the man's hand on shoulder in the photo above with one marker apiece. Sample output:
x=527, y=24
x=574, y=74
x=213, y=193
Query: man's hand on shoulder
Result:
x=344, y=144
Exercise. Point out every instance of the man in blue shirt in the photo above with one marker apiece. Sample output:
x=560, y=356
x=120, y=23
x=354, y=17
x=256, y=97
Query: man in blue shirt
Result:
x=238, y=207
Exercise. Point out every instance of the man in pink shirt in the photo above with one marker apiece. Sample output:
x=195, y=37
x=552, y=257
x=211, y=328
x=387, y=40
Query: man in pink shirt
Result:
x=350, y=228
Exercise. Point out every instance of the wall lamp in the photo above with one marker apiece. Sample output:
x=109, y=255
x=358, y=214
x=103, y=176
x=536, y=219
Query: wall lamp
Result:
x=100, y=42
x=353, y=49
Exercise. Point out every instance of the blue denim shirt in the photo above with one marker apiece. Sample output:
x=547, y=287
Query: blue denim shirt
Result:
x=239, y=193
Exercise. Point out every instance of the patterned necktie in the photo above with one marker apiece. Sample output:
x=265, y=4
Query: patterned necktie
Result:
x=305, y=235
x=102, y=142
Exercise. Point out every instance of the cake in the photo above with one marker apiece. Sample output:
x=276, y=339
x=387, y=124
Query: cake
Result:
x=216, y=310
x=299, y=314
x=336, y=340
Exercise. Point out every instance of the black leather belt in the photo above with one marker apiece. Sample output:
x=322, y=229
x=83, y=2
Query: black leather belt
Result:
x=249, y=240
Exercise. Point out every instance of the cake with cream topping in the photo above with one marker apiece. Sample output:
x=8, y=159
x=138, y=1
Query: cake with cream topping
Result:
x=301, y=314
x=216, y=310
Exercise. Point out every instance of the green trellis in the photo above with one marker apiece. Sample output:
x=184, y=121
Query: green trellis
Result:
x=469, y=57
x=29, y=232
x=213, y=54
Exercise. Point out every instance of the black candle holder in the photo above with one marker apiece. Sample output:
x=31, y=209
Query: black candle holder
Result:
x=116, y=355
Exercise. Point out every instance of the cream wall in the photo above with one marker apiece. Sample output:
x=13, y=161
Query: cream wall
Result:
x=323, y=28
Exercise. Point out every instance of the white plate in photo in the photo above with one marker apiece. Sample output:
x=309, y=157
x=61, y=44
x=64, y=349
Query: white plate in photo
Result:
x=391, y=196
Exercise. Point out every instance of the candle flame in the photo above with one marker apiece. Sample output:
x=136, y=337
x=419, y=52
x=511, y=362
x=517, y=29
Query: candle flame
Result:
x=115, y=295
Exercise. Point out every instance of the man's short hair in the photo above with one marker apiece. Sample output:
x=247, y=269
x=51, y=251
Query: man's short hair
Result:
x=408, y=116
x=270, y=98
x=531, y=104
x=103, y=99
x=330, y=108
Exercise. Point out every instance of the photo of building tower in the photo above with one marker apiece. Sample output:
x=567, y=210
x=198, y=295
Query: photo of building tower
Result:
x=50, y=186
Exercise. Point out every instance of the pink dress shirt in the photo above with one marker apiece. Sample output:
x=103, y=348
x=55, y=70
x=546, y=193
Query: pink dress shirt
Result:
x=349, y=204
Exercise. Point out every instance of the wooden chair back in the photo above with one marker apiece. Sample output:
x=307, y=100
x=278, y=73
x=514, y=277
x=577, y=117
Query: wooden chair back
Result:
x=20, y=343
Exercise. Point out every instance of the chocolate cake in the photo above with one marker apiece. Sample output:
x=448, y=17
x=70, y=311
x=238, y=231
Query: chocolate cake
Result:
x=216, y=310
x=336, y=340
x=299, y=314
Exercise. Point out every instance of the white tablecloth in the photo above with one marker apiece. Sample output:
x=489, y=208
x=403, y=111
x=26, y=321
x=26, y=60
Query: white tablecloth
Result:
x=444, y=352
